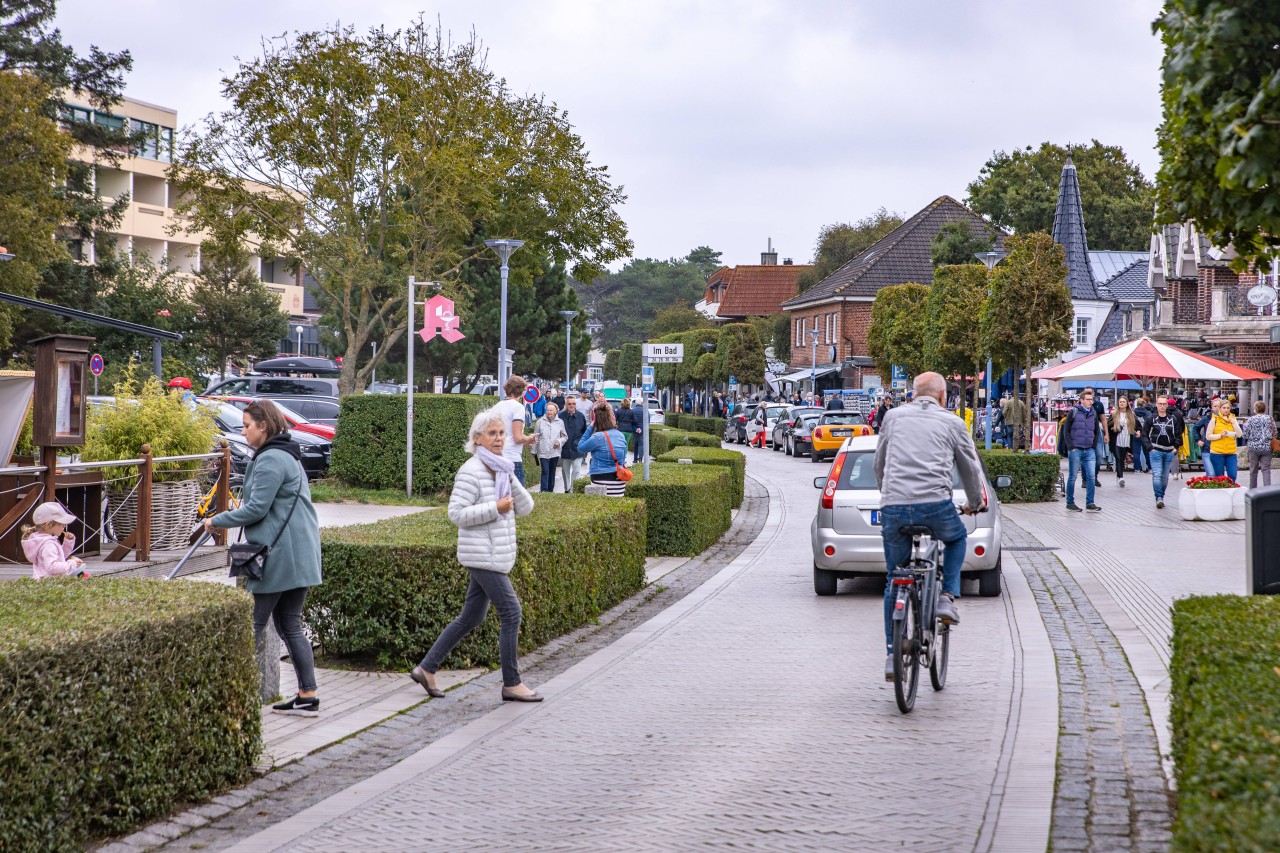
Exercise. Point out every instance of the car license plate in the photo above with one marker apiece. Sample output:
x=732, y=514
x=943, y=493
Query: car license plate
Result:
x=842, y=432
x=875, y=516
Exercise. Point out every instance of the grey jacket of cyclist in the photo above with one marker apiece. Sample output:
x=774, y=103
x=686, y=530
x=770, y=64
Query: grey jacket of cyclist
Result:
x=920, y=444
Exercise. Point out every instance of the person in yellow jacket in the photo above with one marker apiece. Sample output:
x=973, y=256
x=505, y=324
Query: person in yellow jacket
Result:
x=1222, y=432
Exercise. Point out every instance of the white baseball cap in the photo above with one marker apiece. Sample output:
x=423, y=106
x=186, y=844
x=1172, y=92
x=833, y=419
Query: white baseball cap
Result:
x=51, y=511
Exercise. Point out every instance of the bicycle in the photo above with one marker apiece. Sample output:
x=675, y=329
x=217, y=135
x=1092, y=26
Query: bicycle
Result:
x=208, y=506
x=919, y=636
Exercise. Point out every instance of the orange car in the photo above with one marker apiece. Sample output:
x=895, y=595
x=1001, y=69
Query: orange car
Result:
x=832, y=429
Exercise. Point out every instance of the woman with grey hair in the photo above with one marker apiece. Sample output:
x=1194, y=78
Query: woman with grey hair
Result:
x=487, y=496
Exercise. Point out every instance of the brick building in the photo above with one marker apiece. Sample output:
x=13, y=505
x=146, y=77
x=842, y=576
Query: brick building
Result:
x=839, y=307
x=750, y=290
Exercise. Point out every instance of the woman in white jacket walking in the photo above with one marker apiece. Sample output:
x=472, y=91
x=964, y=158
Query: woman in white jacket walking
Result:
x=486, y=498
x=552, y=437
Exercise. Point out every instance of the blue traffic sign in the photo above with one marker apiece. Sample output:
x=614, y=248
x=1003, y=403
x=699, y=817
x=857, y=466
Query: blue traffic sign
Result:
x=96, y=364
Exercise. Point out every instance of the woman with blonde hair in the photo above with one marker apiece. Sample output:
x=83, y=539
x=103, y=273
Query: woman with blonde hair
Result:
x=1123, y=430
x=487, y=496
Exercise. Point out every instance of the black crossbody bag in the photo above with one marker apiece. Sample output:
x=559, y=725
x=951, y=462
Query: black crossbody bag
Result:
x=248, y=559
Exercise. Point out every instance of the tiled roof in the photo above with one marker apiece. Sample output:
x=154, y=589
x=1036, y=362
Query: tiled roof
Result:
x=1106, y=264
x=757, y=290
x=1112, y=330
x=1068, y=231
x=1130, y=284
x=902, y=255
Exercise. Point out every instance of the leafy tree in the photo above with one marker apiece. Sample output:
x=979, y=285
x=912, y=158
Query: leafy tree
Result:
x=627, y=302
x=1029, y=312
x=739, y=354
x=677, y=317
x=629, y=363
x=956, y=243
x=840, y=242
x=1019, y=190
x=896, y=334
x=1220, y=139
x=239, y=317
x=954, y=344
x=781, y=336
x=611, y=364
x=370, y=159
x=706, y=259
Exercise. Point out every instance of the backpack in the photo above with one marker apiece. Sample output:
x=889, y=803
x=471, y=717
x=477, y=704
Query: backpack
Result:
x=1063, y=429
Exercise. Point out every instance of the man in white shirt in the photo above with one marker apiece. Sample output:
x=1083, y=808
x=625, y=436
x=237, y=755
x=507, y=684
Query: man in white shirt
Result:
x=511, y=410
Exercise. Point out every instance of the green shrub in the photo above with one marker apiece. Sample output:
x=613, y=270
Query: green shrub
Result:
x=369, y=448
x=702, y=439
x=1035, y=475
x=710, y=426
x=121, y=699
x=1225, y=714
x=686, y=506
x=391, y=587
x=736, y=462
x=664, y=440
x=673, y=419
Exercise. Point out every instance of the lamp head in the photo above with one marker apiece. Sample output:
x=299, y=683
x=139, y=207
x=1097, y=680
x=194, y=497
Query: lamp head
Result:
x=569, y=315
x=504, y=248
x=990, y=258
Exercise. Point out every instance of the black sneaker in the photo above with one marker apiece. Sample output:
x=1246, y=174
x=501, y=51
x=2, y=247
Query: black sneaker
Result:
x=299, y=707
x=1074, y=508
x=1093, y=507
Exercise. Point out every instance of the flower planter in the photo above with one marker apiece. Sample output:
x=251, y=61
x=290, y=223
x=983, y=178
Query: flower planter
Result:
x=173, y=512
x=1210, y=504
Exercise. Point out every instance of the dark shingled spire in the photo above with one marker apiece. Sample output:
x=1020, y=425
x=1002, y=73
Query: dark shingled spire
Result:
x=1068, y=230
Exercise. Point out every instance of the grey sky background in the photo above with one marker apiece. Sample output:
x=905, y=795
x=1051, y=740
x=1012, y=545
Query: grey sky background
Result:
x=732, y=122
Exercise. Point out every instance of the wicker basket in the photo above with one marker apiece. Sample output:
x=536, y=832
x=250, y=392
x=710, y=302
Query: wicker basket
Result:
x=173, y=512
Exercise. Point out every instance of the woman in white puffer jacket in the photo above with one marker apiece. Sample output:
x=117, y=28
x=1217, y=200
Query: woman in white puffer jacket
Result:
x=486, y=498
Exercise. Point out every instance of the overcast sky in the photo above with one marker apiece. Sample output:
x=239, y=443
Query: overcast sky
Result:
x=732, y=122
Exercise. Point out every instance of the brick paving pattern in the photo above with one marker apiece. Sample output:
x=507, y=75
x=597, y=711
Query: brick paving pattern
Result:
x=1111, y=792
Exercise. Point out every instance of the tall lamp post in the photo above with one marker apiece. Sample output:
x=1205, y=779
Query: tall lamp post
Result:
x=991, y=259
x=568, y=328
x=298, y=329
x=706, y=399
x=814, y=334
x=373, y=380
x=414, y=284
x=505, y=249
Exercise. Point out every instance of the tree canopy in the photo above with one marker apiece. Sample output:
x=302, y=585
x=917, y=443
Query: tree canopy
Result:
x=897, y=332
x=1219, y=141
x=840, y=242
x=627, y=302
x=677, y=317
x=1019, y=190
x=953, y=338
x=740, y=354
x=957, y=243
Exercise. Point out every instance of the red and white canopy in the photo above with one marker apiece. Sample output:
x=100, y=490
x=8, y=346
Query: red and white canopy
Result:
x=1147, y=359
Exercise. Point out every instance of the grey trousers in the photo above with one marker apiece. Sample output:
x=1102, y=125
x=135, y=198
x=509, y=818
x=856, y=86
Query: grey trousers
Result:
x=285, y=608
x=483, y=588
x=569, y=471
x=1259, y=461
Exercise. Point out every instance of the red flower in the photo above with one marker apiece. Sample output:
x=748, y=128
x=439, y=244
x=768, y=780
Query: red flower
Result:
x=163, y=312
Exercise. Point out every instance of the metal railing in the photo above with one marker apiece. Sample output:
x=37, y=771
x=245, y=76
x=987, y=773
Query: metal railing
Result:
x=1237, y=303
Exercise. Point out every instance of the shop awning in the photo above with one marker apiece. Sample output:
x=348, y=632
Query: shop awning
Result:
x=802, y=375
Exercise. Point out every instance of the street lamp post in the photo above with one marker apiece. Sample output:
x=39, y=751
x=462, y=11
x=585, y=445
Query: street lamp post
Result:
x=706, y=398
x=991, y=259
x=568, y=327
x=298, y=329
x=373, y=379
x=814, y=334
x=414, y=284
x=504, y=249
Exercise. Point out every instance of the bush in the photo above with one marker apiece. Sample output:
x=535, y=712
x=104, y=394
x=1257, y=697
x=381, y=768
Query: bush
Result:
x=664, y=440
x=1225, y=712
x=673, y=419
x=686, y=506
x=121, y=699
x=710, y=426
x=1035, y=475
x=369, y=448
x=731, y=459
x=391, y=587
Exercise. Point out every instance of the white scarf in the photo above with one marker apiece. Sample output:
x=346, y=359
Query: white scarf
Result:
x=504, y=470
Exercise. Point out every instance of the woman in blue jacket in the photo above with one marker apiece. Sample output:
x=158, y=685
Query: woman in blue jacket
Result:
x=608, y=448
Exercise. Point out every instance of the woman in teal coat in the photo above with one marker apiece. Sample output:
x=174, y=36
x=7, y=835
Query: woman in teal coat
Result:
x=276, y=502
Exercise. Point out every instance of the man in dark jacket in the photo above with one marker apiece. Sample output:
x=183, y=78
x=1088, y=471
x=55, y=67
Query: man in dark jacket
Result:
x=1079, y=438
x=836, y=403
x=880, y=413
x=1162, y=435
x=575, y=424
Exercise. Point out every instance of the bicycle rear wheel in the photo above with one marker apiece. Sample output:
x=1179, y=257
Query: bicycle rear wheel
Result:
x=906, y=655
x=941, y=649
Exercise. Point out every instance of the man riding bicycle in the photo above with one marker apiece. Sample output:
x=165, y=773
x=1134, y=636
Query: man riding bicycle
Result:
x=921, y=443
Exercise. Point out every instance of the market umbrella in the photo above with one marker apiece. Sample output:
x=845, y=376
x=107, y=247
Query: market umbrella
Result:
x=1145, y=359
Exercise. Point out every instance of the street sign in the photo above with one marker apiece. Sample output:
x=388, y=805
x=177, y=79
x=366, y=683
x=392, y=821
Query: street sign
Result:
x=646, y=372
x=663, y=353
x=1260, y=295
x=437, y=384
x=96, y=364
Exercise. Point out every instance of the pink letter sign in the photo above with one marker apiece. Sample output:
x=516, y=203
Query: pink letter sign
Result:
x=438, y=319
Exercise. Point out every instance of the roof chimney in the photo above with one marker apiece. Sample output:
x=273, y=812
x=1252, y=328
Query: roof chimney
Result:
x=786, y=262
x=770, y=257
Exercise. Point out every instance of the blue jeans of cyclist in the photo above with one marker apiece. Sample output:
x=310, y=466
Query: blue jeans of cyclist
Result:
x=948, y=528
x=1078, y=460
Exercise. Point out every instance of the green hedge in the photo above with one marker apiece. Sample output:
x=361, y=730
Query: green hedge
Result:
x=710, y=426
x=661, y=441
x=369, y=448
x=1225, y=715
x=733, y=460
x=673, y=419
x=120, y=699
x=1035, y=475
x=687, y=506
x=391, y=587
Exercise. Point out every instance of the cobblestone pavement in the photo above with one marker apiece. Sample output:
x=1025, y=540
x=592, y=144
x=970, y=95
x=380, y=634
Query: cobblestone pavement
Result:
x=1111, y=789
x=748, y=713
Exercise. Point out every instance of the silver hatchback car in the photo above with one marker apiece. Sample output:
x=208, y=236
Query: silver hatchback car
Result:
x=846, y=529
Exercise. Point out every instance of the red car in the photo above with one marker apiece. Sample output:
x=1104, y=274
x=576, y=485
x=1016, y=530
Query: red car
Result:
x=296, y=421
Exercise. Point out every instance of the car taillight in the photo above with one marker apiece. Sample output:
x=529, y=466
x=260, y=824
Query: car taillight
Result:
x=830, y=550
x=979, y=551
x=817, y=433
x=829, y=491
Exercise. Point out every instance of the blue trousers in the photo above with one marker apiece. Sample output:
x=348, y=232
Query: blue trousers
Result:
x=1223, y=463
x=948, y=529
x=1081, y=459
x=1162, y=462
x=549, y=468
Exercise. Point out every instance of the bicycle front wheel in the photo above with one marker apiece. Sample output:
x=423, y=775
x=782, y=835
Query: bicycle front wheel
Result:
x=906, y=654
x=941, y=649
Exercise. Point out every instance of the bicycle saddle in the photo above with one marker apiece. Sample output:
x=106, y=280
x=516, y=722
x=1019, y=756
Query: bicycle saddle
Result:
x=915, y=530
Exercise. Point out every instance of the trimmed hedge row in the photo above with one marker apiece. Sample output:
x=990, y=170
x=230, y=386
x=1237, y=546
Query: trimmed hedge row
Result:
x=710, y=426
x=1035, y=475
x=369, y=448
x=687, y=506
x=673, y=419
x=660, y=441
x=121, y=699
x=733, y=460
x=391, y=587
x=1225, y=713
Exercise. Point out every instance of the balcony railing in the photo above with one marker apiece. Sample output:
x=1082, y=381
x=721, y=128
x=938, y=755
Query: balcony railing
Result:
x=1237, y=303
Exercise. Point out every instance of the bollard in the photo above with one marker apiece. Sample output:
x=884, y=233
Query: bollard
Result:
x=594, y=489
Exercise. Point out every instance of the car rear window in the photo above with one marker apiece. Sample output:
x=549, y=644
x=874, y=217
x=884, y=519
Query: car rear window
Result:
x=859, y=472
x=774, y=412
x=293, y=386
x=842, y=418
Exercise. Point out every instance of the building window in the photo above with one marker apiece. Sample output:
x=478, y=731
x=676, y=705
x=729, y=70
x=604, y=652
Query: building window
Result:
x=596, y=373
x=1128, y=321
x=799, y=334
x=1082, y=331
x=155, y=143
x=831, y=328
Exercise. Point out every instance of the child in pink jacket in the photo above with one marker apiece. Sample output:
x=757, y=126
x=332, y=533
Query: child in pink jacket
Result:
x=48, y=544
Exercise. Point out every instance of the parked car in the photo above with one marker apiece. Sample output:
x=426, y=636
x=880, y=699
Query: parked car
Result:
x=656, y=414
x=798, y=440
x=831, y=431
x=297, y=423
x=267, y=386
x=782, y=428
x=386, y=388
x=845, y=534
x=772, y=411
x=735, y=426
x=316, y=409
x=230, y=420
